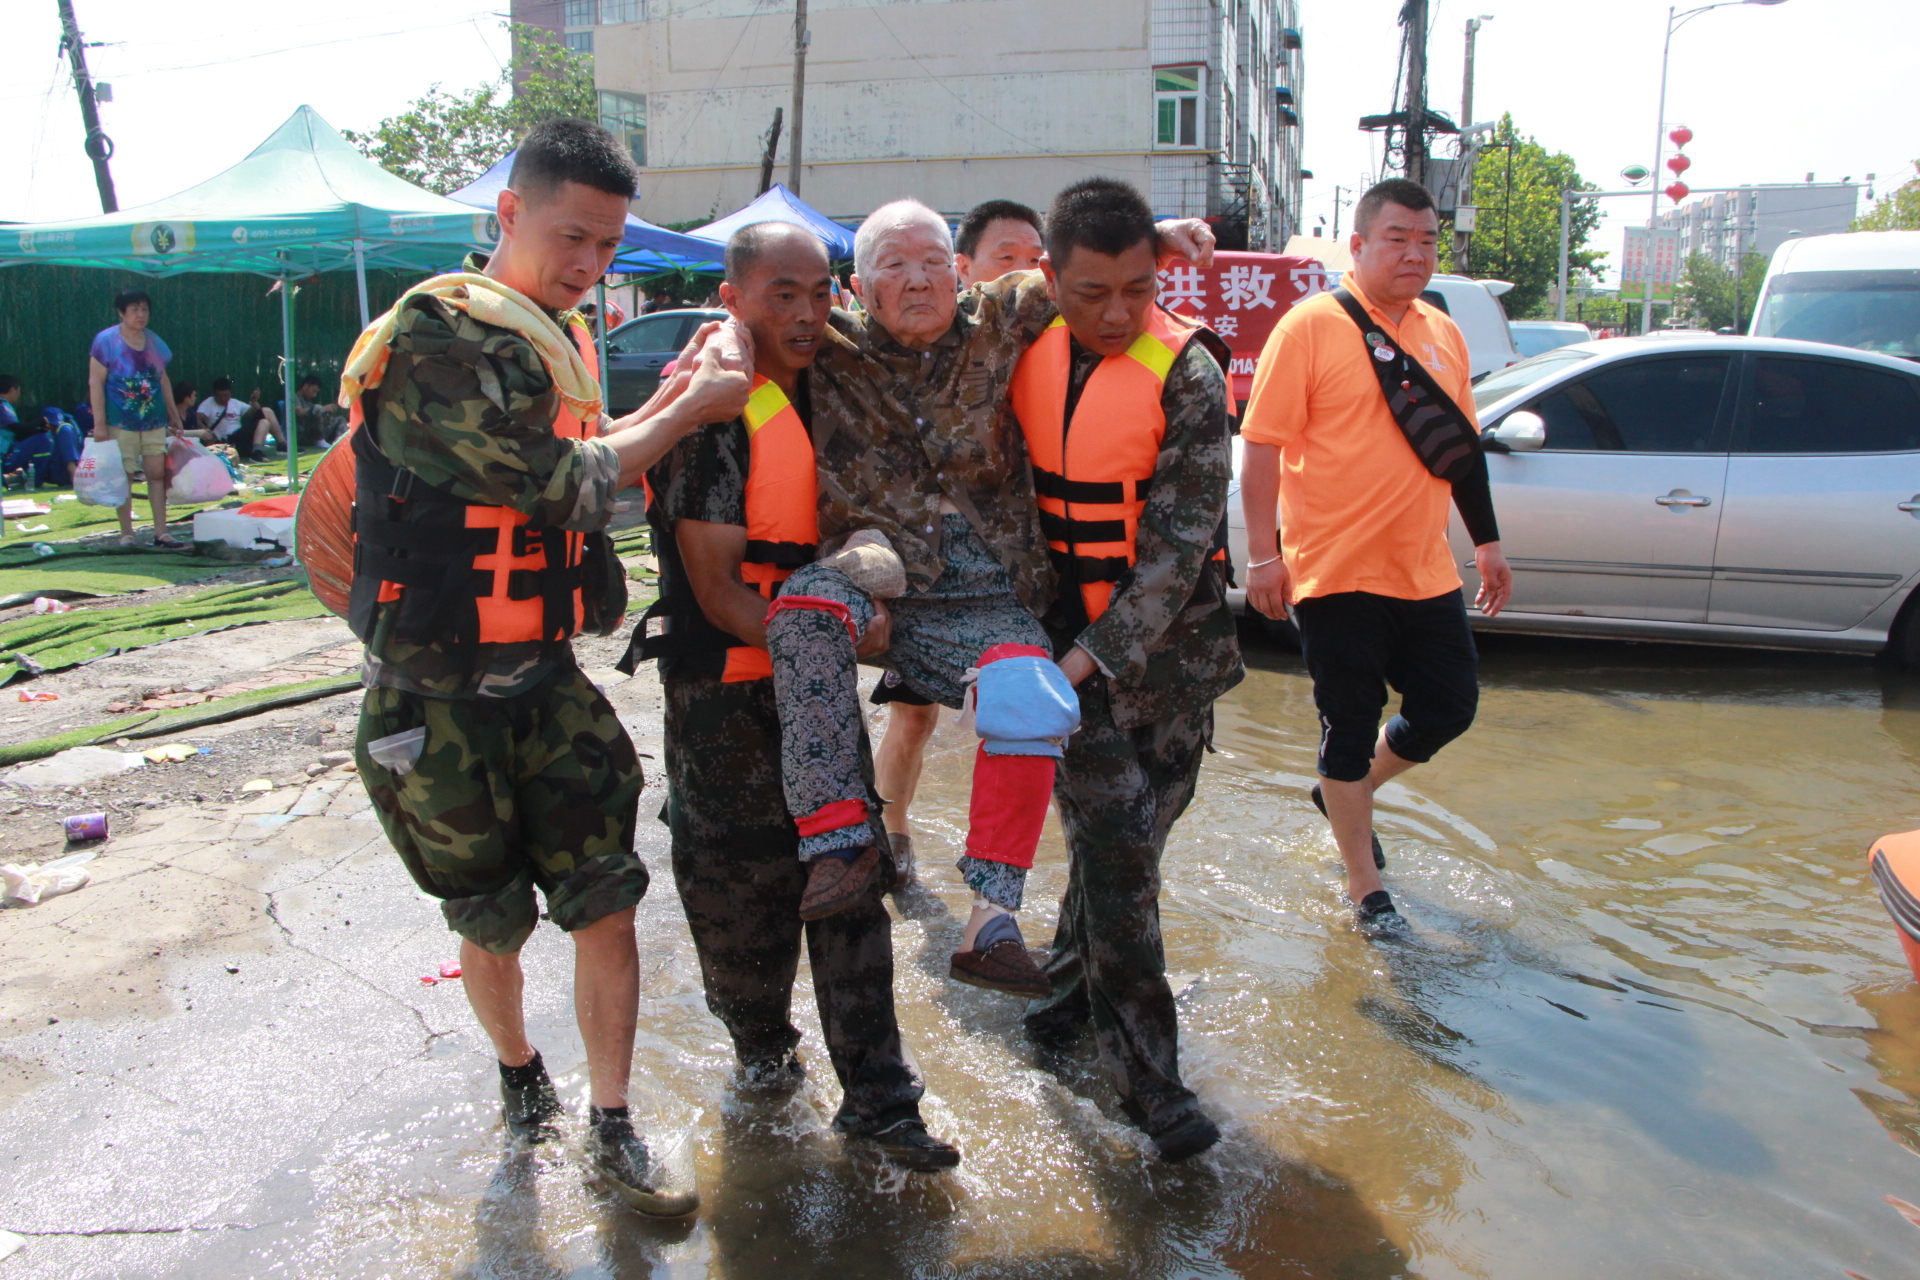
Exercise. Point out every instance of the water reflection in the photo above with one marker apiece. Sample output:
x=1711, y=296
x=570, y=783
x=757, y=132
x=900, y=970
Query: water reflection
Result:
x=1649, y=1021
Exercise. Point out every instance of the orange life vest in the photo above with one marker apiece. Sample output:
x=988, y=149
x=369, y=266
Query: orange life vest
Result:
x=484, y=572
x=783, y=508
x=1091, y=475
x=783, y=531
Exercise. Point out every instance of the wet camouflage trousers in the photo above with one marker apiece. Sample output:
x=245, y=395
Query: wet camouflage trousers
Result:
x=540, y=789
x=1119, y=792
x=735, y=863
x=937, y=634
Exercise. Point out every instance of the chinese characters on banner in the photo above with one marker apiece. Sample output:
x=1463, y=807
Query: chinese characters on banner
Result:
x=1240, y=297
x=1651, y=256
x=1633, y=265
x=1663, y=262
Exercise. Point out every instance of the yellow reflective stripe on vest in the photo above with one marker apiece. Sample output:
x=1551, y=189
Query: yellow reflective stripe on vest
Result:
x=766, y=401
x=1156, y=355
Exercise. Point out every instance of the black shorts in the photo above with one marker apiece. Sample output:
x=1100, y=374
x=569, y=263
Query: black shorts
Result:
x=1356, y=644
x=893, y=689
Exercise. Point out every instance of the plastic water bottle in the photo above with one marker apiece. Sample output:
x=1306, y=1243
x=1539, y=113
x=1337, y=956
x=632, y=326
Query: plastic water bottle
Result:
x=42, y=549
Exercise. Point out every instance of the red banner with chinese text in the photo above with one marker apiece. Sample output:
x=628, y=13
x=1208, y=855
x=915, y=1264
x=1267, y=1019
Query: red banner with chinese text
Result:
x=1240, y=297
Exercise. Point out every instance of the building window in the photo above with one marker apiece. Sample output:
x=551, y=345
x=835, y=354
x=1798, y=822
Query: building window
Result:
x=580, y=13
x=580, y=42
x=1176, y=104
x=624, y=115
x=615, y=12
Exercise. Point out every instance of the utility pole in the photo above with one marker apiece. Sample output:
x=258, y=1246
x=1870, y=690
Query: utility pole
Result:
x=1336, y=211
x=766, y=160
x=800, y=39
x=99, y=146
x=1414, y=15
x=1469, y=152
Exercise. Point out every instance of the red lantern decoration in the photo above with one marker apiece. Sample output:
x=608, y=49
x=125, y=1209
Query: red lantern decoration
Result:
x=1679, y=164
x=1681, y=135
x=1678, y=191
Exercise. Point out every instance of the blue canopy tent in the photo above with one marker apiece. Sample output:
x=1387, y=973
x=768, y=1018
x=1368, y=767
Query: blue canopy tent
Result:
x=302, y=202
x=780, y=205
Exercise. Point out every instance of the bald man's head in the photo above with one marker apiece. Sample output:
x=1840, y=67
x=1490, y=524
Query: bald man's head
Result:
x=780, y=285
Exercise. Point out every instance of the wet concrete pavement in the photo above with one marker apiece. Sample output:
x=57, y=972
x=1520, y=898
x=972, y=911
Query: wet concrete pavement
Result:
x=1651, y=1021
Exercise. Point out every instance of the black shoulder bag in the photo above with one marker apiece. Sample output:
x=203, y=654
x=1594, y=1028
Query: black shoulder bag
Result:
x=1441, y=435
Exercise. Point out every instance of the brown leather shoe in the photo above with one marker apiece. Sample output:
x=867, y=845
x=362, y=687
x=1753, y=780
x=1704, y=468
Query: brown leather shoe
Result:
x=834, y=884
x=1004, y=966
x=903, y=863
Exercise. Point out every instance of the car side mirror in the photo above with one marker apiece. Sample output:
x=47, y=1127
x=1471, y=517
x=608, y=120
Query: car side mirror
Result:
x=1521, y=431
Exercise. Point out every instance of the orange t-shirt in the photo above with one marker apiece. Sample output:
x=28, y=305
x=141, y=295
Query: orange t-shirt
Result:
x=1358, y=511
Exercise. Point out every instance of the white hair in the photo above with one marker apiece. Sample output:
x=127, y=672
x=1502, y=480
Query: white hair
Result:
x=892, y=217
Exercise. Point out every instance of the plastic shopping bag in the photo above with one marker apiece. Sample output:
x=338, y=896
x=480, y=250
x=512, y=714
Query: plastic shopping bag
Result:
x=180, y=451
x=100, y=477
x=202, y=477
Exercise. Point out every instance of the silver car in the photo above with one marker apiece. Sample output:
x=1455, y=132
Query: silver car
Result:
x=1743, y=491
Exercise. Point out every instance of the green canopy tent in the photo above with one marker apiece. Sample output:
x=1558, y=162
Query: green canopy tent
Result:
x=302, y=202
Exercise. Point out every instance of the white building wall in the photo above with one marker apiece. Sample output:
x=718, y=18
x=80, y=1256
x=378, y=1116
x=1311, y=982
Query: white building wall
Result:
x=952, y=101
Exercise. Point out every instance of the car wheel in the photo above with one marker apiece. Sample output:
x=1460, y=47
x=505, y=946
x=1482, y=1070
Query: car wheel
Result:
x=1903, y=640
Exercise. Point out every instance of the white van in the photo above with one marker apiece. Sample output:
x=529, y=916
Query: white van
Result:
x=1475, y=307
x=1860, y=289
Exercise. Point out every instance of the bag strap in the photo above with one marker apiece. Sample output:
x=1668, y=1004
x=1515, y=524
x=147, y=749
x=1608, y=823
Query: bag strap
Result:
x=1441, y=436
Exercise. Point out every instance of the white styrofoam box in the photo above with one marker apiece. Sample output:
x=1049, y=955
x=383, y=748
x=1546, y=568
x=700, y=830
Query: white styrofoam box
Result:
x=252, y=533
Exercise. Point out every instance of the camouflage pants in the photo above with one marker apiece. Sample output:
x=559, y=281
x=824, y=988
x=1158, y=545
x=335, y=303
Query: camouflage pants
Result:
x=1118, y=793
x=734, y=862
x=937, y=634
x=508, y=794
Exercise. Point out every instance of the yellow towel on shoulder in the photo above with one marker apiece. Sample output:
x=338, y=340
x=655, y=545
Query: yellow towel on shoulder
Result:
x=490, y=302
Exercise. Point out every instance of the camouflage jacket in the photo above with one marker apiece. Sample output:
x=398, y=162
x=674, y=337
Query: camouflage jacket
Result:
x=469, y=408
x=1167, y=641
x=894, y=430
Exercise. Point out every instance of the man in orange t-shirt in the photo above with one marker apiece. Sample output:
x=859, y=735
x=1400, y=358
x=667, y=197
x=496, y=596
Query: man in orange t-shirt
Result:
x=1365, y=562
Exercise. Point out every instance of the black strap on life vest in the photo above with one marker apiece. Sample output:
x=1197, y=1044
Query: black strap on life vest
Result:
x=408, y=532
x=1441, y=435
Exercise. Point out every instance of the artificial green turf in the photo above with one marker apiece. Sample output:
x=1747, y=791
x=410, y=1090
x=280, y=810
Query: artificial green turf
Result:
x=57, y=641
x=74, y=519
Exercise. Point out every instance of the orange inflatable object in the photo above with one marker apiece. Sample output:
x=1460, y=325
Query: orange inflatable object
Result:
x=323, y=526
x=1895, y=861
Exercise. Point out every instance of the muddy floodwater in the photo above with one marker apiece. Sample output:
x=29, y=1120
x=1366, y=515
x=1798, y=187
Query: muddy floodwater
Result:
x=1650, y=1021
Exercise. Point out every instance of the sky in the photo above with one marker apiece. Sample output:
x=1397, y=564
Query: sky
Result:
x=1772, y=92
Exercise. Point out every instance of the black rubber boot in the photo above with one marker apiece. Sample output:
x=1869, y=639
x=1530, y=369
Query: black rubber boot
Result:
x=1377, y=914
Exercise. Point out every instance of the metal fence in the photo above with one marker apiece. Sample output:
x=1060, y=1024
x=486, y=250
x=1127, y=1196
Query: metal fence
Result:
x=216, y=324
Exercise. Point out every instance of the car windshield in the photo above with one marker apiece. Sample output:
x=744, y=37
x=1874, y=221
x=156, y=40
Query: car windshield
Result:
x=1870, y=310
x=1504, y=382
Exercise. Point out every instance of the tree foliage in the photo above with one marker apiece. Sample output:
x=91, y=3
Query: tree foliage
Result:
x=447, y=139
x=1898, y=210
x=1516, y=234
x=1715, y=297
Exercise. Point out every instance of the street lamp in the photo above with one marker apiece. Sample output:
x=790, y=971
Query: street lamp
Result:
x=1676, y=18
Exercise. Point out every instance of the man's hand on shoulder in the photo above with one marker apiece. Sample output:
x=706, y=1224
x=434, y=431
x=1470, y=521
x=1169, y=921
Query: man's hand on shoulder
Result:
x=1189, y=238
x=722, y=376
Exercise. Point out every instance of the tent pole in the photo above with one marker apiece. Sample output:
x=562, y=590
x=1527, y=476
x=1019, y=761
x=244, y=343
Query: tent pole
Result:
x=287, y=381
x=360, y=279
x=601, y=340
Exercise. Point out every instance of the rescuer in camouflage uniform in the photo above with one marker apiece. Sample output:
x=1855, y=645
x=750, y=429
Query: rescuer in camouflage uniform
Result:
x=734, y=845
x=1147, y=668
x=913, y=443
x=495, y=766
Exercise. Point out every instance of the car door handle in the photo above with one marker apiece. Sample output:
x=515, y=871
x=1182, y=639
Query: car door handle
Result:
x=1911, y=504
x=1681, y=498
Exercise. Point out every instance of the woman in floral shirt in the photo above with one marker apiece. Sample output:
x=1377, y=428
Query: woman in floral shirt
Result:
x=133, y=401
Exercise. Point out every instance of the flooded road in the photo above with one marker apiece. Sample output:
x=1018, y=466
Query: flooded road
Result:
x=1651, y=1021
